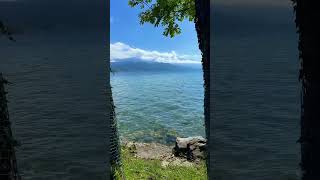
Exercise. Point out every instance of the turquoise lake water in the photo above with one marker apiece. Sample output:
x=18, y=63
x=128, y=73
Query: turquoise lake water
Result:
x=157, y=106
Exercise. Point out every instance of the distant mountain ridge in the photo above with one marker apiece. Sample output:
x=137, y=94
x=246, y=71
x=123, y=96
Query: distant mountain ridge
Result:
x=140, y=65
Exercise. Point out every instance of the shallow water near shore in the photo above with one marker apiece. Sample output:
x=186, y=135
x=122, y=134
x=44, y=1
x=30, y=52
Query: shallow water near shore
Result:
x=158, y=106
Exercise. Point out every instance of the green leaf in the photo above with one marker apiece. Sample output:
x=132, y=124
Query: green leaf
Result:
x=167, y=13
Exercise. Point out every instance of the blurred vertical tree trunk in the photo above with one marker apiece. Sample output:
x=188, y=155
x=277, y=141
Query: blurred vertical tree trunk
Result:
x=202, y=24
x=116, y=169
x=8, y=162
x=307, y=15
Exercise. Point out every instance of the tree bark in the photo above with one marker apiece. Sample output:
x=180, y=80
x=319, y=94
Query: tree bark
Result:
x=307, y=16
x=8, y=163
x=202, y=24
x=115, y=160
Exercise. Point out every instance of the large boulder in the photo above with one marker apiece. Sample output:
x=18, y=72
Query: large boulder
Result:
x=192, y=148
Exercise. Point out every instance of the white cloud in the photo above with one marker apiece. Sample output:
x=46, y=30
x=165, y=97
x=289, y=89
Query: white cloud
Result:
x=120, y=51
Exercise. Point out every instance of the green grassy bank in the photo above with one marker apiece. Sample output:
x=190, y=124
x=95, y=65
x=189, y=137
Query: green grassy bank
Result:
x=140, y=169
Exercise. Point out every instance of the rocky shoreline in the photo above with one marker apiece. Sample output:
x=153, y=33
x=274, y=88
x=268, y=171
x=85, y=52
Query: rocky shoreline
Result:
x=186, y=151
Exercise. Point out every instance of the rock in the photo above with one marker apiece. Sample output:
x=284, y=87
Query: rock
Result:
x=192, y=148
x=180, y=162
x=147, y=150
x=151, y=150
x=176, y=162
x=164, y=163
x=187, y=164
x=164, y=153
x=131, y=147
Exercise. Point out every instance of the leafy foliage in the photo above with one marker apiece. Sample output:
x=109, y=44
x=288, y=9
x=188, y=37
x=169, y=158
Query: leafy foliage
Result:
x=167, y=13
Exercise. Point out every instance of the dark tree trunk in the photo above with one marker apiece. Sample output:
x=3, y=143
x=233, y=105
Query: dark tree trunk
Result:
x=8, y=163
x=115, y=160
x=114, y=146
x=307, y=18
x=202, y=23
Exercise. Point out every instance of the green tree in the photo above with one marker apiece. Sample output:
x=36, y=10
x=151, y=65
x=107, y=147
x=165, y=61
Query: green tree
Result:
x=168, y=14
x=307, y=15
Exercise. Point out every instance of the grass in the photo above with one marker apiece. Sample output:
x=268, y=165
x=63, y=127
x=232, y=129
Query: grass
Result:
x=140, y=169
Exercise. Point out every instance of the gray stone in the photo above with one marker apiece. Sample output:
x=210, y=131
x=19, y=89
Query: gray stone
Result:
x=192, y=148
x=164, y=163
x=187, y=164
x=131, y=147
x=176, y=162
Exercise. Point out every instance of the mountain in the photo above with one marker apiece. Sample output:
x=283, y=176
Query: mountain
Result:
x=130, y=65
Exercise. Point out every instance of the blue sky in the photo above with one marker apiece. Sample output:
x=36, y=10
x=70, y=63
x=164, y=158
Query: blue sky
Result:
x=146, y=41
